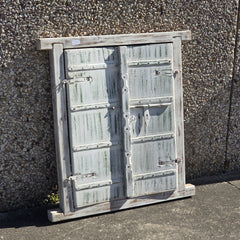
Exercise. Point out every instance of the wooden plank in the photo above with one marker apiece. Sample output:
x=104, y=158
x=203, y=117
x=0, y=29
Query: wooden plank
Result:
x=60, y=127
x=112, y=40
x=178, y=106
x=156, y=100
x=141, y=63
x=57, y=215
x=153, y=174
x=126, y=122
x=152, y=138
x=85, y=147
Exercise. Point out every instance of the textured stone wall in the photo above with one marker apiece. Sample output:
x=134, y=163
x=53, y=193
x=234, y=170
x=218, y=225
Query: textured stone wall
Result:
x=27, y=166
x=232, y=160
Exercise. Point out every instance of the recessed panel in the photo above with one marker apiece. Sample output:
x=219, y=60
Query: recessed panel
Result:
x=95, y=126
x=153, y=156
x=94, y=87
x=98, y=164
x=151, y=120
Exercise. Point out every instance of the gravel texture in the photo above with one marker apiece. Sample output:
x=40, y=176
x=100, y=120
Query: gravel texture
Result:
x=233, y=148
x=27, y=167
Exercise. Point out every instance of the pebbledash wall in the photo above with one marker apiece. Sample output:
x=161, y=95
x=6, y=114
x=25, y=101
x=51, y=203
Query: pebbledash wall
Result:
x=210, y=72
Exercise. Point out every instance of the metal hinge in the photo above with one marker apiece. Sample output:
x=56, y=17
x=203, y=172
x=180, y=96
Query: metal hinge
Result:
x=168, y=162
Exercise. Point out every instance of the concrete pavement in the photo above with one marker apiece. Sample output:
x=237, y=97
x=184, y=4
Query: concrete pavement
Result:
x=213, y=213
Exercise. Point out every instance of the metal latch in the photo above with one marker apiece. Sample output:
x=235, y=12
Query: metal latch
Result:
x=178, y=160
x=169, y=161
x=146, y=116
x=71, y=178
x=166, y=72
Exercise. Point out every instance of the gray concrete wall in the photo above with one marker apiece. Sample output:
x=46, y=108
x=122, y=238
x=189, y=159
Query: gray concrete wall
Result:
x=27, y=166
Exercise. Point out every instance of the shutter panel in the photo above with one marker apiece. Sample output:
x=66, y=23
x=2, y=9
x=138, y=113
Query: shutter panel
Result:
x=150, y=80
x=95, y=124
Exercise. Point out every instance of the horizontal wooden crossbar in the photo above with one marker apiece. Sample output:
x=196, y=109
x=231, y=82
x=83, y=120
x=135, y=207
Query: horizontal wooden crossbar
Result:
x=112, y=40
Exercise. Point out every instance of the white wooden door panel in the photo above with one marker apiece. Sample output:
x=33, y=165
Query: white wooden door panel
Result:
x=101, y=193
x=146, y=121
x=150, y=70
x=94, y=115
x=93, y=126
x=153, y=156
x=94, y=87
x=98, y=164
x=150, y=81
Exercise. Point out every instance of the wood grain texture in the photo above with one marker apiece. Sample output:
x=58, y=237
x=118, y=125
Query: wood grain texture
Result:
x=112, y=40
x=61, y=127
x=126, y=122
x=151, y=78
x=94, y=124
x=178, y=105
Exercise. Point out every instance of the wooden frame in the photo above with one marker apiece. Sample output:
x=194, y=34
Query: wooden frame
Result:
x=61, y=127
x=57, y=46
x=126, y=114
x=178, y=108
x=112, y=40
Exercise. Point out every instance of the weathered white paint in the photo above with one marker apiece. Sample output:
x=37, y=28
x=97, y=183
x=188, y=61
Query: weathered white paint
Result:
x=178, y=108
x=61, y=127
x=125, y=116
x=126, y=122
x=112, y=40
x=151, y=82
x=94, y=124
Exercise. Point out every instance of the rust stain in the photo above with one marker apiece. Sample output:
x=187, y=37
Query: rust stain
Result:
x=180, y=170
x=134, y=201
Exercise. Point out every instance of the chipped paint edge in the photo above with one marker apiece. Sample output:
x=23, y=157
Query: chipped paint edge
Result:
x=56, y=215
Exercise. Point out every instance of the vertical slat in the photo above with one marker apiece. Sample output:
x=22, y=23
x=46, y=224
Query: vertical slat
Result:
x=60, y=127
x=126, y=115
x=178, y=106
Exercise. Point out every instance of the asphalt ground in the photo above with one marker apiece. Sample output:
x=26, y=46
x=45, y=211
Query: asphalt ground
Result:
x=213, y=213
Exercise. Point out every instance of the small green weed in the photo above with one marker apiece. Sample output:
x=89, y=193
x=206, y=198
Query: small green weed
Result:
x=53, y=198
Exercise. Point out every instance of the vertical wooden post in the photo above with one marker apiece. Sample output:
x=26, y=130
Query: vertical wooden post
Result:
x=178, y=106
x=126, y=127
x=61, y=127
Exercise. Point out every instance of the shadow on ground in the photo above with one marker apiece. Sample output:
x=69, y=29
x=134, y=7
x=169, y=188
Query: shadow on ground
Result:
x=227, y=177
x=24, y=217
x=38, y=216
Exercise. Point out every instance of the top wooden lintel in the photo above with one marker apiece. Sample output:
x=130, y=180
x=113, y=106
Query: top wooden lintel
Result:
x=112, y=40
